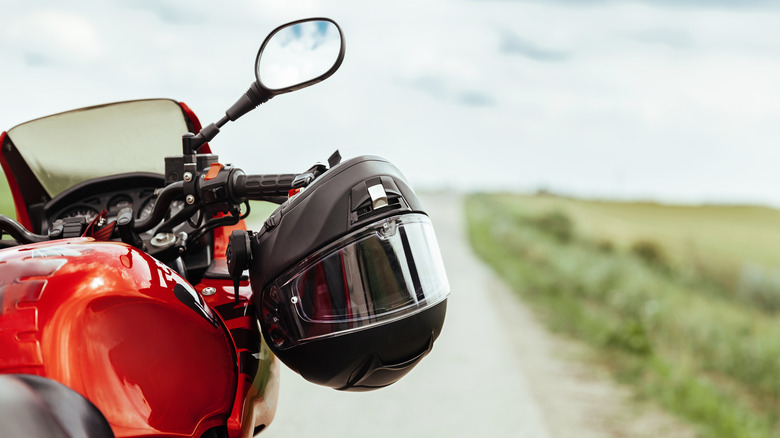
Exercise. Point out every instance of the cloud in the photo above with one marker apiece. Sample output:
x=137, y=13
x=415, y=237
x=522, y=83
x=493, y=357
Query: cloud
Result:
x=513, y=44
x=170, y=11
x=736, y=4
x=503, y=94
x=33, y=59
x=51, y=34
x=437, y=87
x=674, y=38
x=475, y=98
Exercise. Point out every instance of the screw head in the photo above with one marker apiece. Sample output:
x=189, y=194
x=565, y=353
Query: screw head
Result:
x=190, y=199
x=208, y=291
x=162, y=240
x=187, y=177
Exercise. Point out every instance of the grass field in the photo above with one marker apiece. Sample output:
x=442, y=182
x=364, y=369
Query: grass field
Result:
x=6, y=202
x=679, y=301
x=724, y=233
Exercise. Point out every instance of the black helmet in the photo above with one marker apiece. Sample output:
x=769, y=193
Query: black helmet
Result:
x=353, y=289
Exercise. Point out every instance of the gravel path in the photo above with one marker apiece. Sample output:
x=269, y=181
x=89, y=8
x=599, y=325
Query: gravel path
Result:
x=494, y=372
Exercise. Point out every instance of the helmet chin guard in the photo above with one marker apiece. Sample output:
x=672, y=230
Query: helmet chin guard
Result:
x=353, y=288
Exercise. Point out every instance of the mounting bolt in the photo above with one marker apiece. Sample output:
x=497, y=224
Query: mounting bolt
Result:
x=209, y=291
x=187, y=177
x=190, y=199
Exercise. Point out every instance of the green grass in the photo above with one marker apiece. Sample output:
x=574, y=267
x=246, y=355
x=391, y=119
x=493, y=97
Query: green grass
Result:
x=6, y=201
x=615, y=276
x=730, y=248
x=719, y=233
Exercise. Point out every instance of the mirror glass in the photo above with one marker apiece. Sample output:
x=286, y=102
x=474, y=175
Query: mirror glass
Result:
x=298, y=54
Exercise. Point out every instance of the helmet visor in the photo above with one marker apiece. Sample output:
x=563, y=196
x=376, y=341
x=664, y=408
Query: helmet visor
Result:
x=382, y=272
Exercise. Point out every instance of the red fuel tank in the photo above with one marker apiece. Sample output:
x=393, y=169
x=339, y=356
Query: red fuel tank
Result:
x=120, y=328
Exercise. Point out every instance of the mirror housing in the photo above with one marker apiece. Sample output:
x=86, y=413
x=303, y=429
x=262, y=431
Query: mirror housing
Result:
x=299, y=52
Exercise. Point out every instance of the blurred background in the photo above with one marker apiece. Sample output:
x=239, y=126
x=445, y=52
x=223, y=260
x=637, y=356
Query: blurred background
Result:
x=618, y=159
x=663, y=100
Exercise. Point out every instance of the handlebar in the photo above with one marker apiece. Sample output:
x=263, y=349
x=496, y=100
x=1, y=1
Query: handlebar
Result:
x=263, y=187
x=18, y=232
x=231, y=188
x=239, y=186
x=160, y=207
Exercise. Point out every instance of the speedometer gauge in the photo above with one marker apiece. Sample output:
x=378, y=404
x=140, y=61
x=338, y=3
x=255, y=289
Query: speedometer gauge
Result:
x=119, y=202
x=148, y=207
x=87, y=213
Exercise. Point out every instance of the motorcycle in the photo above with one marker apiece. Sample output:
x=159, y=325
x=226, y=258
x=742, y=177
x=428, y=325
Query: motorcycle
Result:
x=135, y=302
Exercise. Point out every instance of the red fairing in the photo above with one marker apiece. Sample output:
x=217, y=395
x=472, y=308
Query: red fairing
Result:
x=258, y=384
x=120, y=328
x=205, y=149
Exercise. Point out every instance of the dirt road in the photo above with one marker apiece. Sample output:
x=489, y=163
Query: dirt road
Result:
x=494, y=372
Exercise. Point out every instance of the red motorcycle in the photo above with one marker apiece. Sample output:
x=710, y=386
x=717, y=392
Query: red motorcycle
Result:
x=136, y=303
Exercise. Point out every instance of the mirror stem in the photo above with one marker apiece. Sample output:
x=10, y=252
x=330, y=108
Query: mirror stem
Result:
x=192, y=142
x=249, y=101
x=255, y=96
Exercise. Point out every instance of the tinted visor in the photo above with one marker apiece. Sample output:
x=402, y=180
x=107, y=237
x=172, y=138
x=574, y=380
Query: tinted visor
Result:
x=388, y=270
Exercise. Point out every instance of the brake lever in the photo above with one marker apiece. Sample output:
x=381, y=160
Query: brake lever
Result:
x=302, y=180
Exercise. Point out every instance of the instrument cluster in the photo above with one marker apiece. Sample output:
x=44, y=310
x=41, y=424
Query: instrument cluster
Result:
x=88, y=199
x=141, y=201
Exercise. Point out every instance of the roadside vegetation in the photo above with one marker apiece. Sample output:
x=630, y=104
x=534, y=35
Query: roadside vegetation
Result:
x=6, y=201
x=680, y=302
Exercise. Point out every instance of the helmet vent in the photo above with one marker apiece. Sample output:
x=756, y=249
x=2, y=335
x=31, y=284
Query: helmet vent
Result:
x=378, y=196
x=372, y=196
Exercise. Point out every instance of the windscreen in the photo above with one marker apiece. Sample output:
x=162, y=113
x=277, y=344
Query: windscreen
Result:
x=68, y=148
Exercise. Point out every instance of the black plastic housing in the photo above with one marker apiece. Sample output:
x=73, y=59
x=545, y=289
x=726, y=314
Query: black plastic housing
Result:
x=35, y=406
x=332, y=206
x=368, y=359
x=328, y=209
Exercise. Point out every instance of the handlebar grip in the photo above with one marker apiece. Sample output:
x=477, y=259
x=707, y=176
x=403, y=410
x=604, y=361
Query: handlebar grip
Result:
x=261, y=187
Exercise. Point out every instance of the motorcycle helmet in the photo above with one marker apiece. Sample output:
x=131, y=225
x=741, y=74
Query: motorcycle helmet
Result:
x=353, y=290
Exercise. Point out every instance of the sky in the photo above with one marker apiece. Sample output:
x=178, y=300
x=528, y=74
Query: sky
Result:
x=664, y=100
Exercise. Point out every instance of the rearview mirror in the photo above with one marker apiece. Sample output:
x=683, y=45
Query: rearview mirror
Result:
x=292, y=57
x=299, y=54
